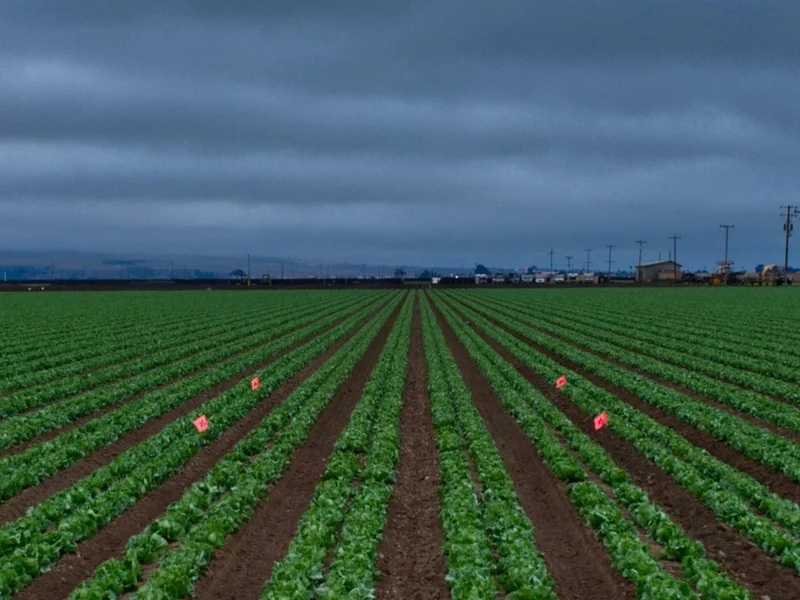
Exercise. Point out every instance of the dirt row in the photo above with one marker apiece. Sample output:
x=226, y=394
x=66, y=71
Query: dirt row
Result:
x=691, y=393
x=49, y=435
x=240, y=568
x=746, y=563
x=576, y=560
x=410, y=556
x=775, y=481
x=110, y=541
x=15, y=507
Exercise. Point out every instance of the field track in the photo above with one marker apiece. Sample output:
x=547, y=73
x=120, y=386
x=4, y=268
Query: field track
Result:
x=401, y=444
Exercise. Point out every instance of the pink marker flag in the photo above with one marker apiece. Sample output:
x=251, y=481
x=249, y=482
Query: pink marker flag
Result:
x=255, y=383
x=600, y=420
x=201, y=423
x=561, y=381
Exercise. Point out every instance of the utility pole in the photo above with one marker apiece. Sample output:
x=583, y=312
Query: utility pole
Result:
x=172, y=269
x=610, y=248
x=551, y=260
x=588, y=259
x=725, y=265
x=674, y=239
x=248, y=269
x=791, y=211
x=281, y=270
x=569, y=265
x=639, y=264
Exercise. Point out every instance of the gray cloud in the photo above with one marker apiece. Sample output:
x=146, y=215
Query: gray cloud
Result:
x=399, y=132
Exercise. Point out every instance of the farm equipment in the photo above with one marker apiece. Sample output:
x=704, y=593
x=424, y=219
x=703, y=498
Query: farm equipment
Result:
x=773, y=275
x=719, y=279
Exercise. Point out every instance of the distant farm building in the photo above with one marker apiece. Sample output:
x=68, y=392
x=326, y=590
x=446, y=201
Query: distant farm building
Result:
x=663, y=270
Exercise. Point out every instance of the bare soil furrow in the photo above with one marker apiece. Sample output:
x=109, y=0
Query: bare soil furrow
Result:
x=576, y=560
x=15, y=507
x=410, y=557
x=241, y=567
x=691, y=393
x=112, y=407
x=110, y=542
x=773, y=480
x=746, y=563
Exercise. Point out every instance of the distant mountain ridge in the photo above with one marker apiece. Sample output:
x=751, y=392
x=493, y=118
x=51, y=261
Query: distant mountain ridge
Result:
x=67, y=264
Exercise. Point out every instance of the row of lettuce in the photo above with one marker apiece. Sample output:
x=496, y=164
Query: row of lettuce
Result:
x=41, y=461
x=621, y=513
x=178, y=547
x=720, y=374
x=32, y=544
x=124, y=354
x=758, y=443
x=489, y=542
x=153, y=360
x=23, y=427
x=53, y=332
x=771, y=522
x=745, y=342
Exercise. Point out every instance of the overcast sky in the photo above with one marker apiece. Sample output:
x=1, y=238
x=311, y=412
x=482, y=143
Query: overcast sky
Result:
x=400, y=132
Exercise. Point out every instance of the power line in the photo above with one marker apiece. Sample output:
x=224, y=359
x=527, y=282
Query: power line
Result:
x=610, y=248
x=674, y=239
x=639, y=264
x=725, y=265
x=791, y=211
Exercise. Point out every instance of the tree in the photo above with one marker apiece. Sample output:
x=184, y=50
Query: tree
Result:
x=238, y=273
x=426, y=274
x=481, y=270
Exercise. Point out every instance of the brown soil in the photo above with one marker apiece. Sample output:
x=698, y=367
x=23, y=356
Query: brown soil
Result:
x=691, y=393
x=241, y=567
x=742, y=560
x=49, y=435
x=773, y=480
x=15, y=507
x=110, y=541
x=576, y=560
x=410, y=555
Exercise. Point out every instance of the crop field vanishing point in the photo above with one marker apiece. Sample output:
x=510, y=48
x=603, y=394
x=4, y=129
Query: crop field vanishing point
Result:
x=401, y=444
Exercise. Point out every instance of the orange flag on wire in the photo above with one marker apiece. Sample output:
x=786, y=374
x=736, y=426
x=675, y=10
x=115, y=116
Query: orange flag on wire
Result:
x=201, y=423
x=600, y=420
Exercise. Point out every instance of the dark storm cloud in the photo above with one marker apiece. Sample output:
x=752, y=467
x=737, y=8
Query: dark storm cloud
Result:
x=398, y=131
